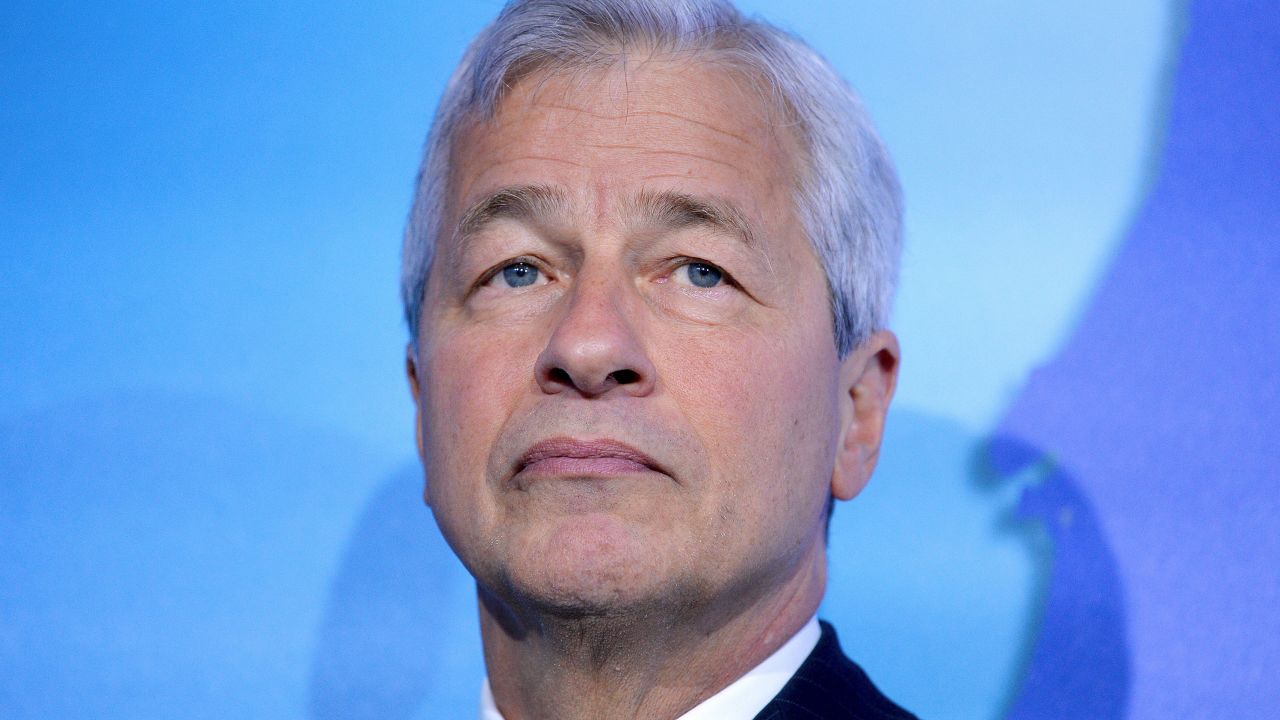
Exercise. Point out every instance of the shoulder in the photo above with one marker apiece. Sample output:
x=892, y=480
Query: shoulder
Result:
x=830, y=686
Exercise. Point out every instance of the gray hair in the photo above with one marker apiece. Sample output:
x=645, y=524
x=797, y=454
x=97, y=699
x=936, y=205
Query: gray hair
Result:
x=848, y=199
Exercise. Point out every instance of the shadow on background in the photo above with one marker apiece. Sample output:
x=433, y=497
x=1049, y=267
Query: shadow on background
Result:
x=966, y=561
x=400, y=632
x=1078, y=656
x=1161, y=410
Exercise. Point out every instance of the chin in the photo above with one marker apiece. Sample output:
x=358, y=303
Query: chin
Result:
x=595, y=565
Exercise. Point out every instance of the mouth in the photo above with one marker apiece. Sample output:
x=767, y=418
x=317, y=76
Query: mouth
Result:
x=570, y=458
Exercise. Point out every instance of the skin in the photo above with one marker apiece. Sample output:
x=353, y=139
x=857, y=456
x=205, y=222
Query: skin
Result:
x=622, y=590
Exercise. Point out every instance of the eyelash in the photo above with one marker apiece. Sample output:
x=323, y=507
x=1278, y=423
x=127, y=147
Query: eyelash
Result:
x=678, y=262
x=673, y=264
x=488, y=275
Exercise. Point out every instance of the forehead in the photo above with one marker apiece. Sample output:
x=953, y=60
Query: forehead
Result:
x=639, y=125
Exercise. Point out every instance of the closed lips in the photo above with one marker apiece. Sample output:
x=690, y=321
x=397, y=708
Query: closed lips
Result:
x=568, y=456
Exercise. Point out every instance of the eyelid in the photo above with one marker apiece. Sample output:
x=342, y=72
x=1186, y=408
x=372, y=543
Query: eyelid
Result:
x=487, y=276
x=678, y=262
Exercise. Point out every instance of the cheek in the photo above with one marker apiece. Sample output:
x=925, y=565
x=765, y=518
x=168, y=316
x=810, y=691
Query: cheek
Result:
x=472, y=380
x=765, y=408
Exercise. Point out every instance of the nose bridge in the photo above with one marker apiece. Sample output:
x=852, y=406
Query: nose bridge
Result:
x=596, y=345
x=599, y=299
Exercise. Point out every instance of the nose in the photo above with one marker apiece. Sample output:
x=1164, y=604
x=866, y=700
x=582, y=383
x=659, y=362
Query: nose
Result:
x=594, y=348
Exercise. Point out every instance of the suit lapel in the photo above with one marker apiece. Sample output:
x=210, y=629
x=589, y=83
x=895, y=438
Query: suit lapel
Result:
x=830, y=686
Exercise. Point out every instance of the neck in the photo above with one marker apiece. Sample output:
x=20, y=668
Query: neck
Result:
x=651, y=661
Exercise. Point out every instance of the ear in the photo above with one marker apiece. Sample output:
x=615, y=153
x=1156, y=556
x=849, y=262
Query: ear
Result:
x=411, y=372
x=868, y=377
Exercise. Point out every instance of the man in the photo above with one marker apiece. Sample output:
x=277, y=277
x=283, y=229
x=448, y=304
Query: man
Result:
x=646, y=276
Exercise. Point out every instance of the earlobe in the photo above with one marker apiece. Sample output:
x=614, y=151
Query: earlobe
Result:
x=868, y=377
x=411, y=373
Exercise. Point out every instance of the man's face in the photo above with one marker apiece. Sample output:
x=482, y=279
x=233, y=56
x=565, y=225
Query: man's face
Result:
x=628, y=385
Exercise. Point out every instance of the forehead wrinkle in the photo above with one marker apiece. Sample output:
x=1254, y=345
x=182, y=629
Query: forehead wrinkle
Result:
x=531, y=156
x=535, y=96
x=693, y=121
x=646, y=150
x=577, y=110
x=630, y=114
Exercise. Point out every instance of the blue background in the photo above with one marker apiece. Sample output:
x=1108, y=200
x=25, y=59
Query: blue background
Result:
x=208, y=494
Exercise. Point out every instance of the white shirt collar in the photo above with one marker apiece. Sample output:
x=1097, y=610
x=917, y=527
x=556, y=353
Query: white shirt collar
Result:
x=745, y=697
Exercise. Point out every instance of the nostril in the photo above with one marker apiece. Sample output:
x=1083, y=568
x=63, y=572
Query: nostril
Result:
x=560, y=375
x=625, y=377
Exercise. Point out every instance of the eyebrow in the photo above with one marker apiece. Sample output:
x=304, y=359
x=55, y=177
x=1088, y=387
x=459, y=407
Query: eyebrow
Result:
x=665, y=209
x=519, y=202
x=675, y=210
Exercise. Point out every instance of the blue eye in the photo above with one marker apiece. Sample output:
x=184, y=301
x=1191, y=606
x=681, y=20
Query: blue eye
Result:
x=520, y=274
x=703, y=275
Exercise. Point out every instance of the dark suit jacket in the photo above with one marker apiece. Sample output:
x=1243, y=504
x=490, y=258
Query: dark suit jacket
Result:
x=830, y=686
